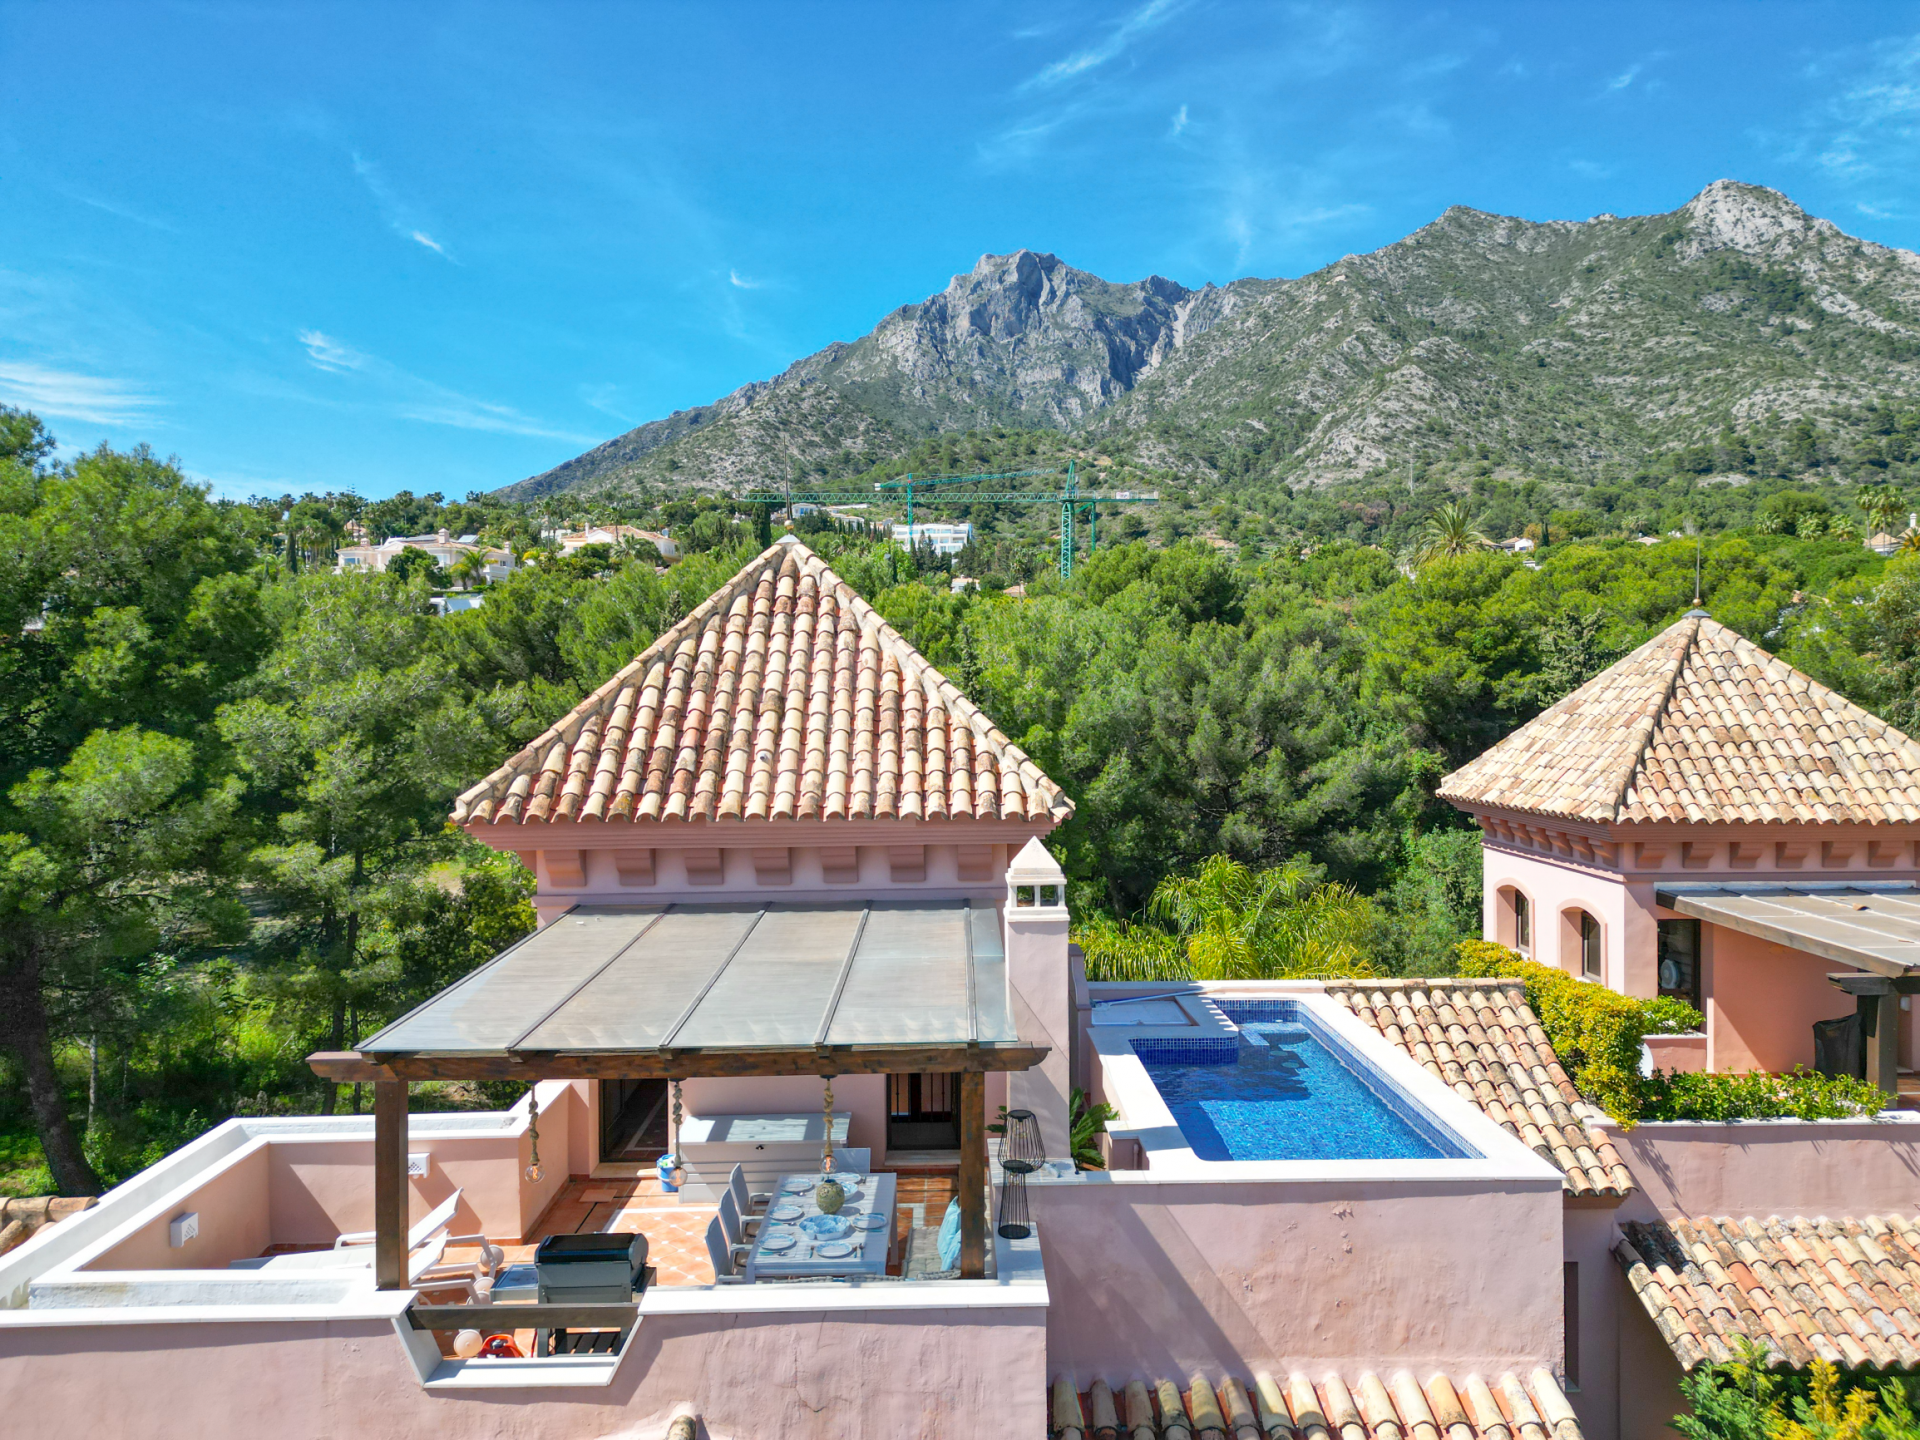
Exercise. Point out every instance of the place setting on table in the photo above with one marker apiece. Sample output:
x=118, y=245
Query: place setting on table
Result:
x=848, y=1236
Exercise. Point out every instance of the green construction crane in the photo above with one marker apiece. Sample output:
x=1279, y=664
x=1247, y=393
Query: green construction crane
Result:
x=1071, y=501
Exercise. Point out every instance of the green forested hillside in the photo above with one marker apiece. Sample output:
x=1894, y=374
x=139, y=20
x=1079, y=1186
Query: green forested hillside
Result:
x=224, y=770
x=1731, y=340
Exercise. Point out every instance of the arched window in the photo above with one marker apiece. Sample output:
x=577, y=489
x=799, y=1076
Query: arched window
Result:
x=1514, y=919
x=1589, y=946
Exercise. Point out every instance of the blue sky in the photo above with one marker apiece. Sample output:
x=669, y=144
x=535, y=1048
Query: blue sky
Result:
x=442, y=248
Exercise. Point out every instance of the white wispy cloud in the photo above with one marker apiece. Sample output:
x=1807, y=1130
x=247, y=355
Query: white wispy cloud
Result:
x=329, y=354
x=604, y=397
x=1109, y=47
x=740, y=282
x=1870, y=124
x=91, y=398
x=412, y=397
x=1636, y=74
x=1179, y=120
x=401, y=216
x=118, y=209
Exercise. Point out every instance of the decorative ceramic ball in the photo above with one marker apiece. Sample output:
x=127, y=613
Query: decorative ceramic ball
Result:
x=829, y=1196
x=467, y=1344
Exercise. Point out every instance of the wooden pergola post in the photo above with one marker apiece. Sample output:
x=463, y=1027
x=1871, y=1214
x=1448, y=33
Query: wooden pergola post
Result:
x=1877, y=999
x=390, y=1184
x=973, y=1175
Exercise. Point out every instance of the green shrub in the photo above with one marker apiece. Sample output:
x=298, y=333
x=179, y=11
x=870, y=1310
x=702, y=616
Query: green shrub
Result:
x=1669, y=1016
x=1801, y=1095
x=1744, y=1399
x=1596, y=1031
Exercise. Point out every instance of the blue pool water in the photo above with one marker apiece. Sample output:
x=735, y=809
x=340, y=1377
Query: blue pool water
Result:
x=1295, y=1097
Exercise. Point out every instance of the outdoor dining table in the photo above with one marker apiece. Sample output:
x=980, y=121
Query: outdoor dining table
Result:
x=873, y=1196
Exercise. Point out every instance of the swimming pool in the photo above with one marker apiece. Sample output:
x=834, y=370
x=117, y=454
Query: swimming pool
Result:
x=1286, y=1088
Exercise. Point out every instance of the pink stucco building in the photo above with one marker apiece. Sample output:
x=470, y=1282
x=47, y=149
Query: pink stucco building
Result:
x=1704, y=821
x=794, y=899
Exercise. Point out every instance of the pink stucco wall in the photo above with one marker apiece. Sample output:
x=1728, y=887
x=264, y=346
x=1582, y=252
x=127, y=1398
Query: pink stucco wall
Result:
x=1158, y=1277
x=852, y=1375
x=322, y=1187
x=1682, y=1053
x=1556, y=886
x=1649, y=1395
x=1762, y=1000
x=1593, y=1373
x=1771, y=1167
x=307, y=1191
x=235, y=1224
x=1040, y=980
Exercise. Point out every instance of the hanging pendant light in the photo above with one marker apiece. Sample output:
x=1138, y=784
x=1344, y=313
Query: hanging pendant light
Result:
x=534, y=1170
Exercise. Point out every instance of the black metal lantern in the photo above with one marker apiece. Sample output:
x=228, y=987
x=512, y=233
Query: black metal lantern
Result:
x=1021, y=1152
x=1016, y=1220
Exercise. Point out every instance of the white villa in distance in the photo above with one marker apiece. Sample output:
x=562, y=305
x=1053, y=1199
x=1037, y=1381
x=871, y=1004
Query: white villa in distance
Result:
x=798, y=921
x=942, y=537
x=442, y=546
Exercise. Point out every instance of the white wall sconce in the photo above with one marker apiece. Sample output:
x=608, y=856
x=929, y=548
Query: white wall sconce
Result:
x=419, y=1165
x=183, y=1227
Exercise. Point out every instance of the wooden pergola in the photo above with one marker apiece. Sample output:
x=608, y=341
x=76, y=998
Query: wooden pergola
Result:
x=682, y=992
x=1874, y=926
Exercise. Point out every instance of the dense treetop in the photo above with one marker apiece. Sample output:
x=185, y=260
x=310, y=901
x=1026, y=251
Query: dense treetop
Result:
x=225, y=770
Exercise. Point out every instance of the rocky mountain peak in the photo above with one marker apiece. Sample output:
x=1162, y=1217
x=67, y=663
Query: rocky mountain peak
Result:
x=1553, y=346
x=1729, y=215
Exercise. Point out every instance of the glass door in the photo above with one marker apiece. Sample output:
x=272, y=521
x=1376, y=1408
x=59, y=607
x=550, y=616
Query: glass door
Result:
x=633, y=1120
x=920, y=1112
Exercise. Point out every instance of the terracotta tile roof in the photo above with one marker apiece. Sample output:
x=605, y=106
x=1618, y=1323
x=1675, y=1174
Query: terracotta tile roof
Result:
x=1481, y=1037
x=783, y=695
x=1845, y=1290
x=1700, y=725
x=1295, y=1406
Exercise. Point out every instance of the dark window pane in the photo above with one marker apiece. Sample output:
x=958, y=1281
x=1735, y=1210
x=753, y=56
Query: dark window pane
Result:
x=1522, y=923
x=1679, y=960
x=1589, y=946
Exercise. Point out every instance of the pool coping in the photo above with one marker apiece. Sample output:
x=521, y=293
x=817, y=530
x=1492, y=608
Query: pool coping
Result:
x=1145, y=1118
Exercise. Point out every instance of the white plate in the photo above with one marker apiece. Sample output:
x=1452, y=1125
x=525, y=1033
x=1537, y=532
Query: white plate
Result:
x=786, y=1212
x=798, y=1187
x=848, y=1180
x=873, y=1221
x=777, y=1242
x=836, y=1250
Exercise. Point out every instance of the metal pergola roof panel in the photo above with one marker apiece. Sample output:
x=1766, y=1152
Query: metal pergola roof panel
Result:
x=886, y=993
x=776, y=990
x=634, y=1003
x=490, y=1008
x=726, y=977
x=1874, y=927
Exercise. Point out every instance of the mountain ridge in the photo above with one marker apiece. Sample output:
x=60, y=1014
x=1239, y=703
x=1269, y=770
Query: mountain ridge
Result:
x=1572, y=346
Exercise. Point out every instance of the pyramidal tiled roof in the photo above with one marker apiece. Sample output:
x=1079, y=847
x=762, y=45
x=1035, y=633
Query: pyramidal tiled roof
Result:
x=783, y=695
x=1700, y=725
